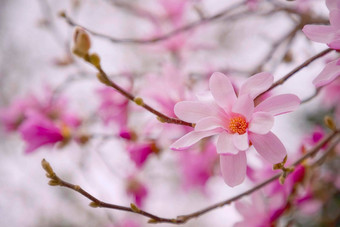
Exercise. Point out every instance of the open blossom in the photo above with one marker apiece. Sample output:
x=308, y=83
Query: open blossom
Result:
x=330, y=35
x=38, y=131
x=237, y=122
x=137, y=190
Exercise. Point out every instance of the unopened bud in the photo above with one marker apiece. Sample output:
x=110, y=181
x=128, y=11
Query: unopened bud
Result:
x=95, y=60
x=94, y=204
x=134, y=208
x=282, y=179
x=329, y=122
x=47, y=167
x=82, y=42
x=53, y=183
x=103, y=79
x=139, y=101
x=161, y=119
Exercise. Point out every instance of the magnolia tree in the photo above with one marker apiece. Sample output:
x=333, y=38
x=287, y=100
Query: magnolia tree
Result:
x=194, y=112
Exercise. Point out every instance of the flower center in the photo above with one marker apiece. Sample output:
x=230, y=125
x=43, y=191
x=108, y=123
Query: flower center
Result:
x=238, y=125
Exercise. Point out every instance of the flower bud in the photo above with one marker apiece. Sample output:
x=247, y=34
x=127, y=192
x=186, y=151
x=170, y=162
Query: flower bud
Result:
x=82, y=42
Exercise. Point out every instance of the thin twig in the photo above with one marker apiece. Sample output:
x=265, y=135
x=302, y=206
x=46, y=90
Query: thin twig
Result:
x=166, y=36
x=162, y=117
x=56, y=181
x=317, y=91
x=297, y=69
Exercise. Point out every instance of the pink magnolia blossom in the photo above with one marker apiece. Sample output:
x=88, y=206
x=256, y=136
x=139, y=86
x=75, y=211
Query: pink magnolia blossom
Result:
x=331, y=93
x=261, y=211
x=139, y=152
x=197, y=166
x=39, y=131
x=328, y=34
x=137, y=190
x=15, y=114
x=237, y=122
x=113, y=107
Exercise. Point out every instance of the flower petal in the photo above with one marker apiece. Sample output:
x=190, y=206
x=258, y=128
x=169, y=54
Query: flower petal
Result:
x=244, y=105
x=190, y=138
x=335, y=44
x=334, y=18
x=241, y=142
x=319, y=33
x=261, y=123
x=268, y=146
x=225, y=144
x=328, y=74
x=209, y=123
x=193, y=111
x=279, y=104
x=233, y=168
x=256, y=84
x=222, y=90
x=332, y=4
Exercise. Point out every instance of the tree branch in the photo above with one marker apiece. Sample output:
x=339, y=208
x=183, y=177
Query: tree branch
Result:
x=56, y=181
x=297, y=69
x=157, y=39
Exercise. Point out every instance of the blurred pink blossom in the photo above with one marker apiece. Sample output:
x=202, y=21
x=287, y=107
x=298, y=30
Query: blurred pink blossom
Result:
x=198, y=165
x=38, y=131
x=137, y=190
x=237, y=122
x=139, y=152
x=260, y=211
x=113, y=107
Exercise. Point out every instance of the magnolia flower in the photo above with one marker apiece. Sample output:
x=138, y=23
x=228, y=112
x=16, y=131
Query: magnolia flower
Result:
x=137, y=190
x=38, y=131
x=237, y=122
x=329, y=34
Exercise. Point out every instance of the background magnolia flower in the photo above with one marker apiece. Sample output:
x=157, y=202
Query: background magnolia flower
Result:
x=237, y=122
x=38, y=131
x=330, y=35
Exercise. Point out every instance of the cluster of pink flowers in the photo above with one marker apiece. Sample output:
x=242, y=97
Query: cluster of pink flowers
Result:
x=40, y=122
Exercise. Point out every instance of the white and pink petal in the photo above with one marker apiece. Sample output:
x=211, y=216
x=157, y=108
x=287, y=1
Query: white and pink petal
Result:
x=279, y=104
x=193, y=111
x=319, y=33
x=233, y=168
x=328, y=74
x=244, y=105
x=261, y=123
x=191, y=138
x=225, y=144
x=209, y=123
x=256, y=84
x=241, y=142
x=222, y=90
x=268, y=146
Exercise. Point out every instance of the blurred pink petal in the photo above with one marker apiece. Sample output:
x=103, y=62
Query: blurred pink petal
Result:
x=318, y=33
x=38, y=131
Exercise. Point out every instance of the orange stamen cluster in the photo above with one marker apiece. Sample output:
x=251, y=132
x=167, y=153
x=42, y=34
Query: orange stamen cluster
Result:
x=238, y=125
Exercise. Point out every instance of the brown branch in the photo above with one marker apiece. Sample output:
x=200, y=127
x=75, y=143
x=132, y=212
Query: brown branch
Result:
x=166, y=36
x=103, y=77
x=297, y=69
x=56, y=181
x=316, y=93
